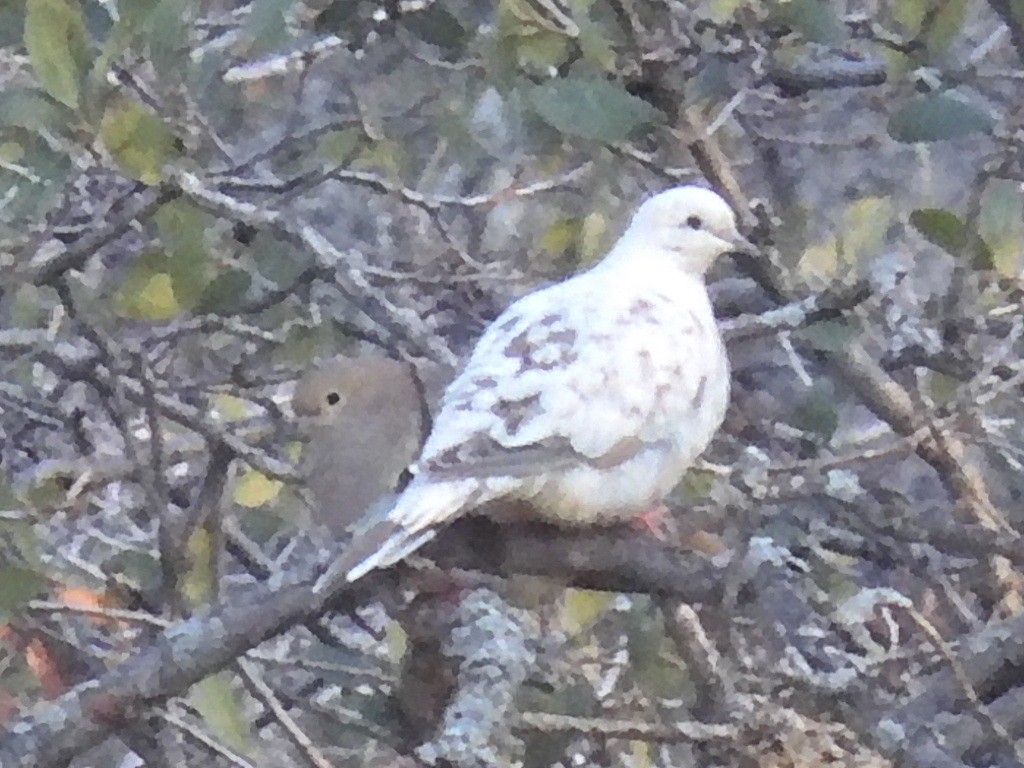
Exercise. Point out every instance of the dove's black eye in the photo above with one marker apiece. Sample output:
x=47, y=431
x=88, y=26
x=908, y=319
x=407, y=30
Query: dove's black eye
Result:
x=333, y=398
x=694, y=222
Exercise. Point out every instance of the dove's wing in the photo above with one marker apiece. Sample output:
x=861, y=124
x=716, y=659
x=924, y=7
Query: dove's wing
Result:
x=567, y=377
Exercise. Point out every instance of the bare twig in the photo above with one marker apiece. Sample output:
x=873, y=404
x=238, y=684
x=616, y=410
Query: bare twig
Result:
x=546, y=722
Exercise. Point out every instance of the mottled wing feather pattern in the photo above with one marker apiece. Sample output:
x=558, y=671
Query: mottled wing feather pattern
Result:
x=495, y=411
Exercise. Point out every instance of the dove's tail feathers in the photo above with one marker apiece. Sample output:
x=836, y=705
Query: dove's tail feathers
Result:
x=379, y=544
x=384, y=539
x=394, y=549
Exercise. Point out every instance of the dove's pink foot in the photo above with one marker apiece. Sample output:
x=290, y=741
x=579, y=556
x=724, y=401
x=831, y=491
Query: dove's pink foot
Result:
x=654, y=521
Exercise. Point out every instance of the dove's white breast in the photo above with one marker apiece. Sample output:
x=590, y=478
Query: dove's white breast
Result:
x=663, y=381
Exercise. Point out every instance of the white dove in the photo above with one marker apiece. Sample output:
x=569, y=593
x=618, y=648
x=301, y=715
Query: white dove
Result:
x=587, y=399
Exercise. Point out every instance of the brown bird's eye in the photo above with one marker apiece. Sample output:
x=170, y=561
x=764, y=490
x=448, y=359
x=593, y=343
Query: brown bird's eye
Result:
x=694, y=222
x=333, y=398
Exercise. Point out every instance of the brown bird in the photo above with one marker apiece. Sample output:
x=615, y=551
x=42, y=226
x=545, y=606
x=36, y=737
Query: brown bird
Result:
x=366, y=420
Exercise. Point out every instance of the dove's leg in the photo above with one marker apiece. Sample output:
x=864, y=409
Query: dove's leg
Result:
x=655, y=521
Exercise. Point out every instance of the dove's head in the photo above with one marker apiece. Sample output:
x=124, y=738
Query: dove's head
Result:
x=692, y=223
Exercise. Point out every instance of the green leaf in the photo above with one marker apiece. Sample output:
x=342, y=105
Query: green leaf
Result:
x=31, y=109
x=938, y=117
x=18, y=585
x=167, y=28
x=816, y=412
x=945, y=19
x=696, y=485
x=225, y=294
x=828, y=335
x=338, y=147
x=951, y=233
x=561, y=236
x=943, y=389
x=220, y=709
x=536, y=53
x=439, y=27
x=182, y=229
x=34, y=179
x=254, y=489
x=12, y=23
x=267, y=23
x=815, y=20
x=136, y=14
x=947, y=23
x=387, y=156
x=909, y=14
x=591, y=108
x=581, y=608
x=138, y=140
x=57, y=47
x=1001, y=225
x=597, y=43
x=651, y=652
x=721, y=10
x=943, y=228
x=151, y=297
x=198, y=585
x=523, y=17
x=864, y=224
x=277, y=265
x=20, y=537
x=141, y=568
x=146, y=291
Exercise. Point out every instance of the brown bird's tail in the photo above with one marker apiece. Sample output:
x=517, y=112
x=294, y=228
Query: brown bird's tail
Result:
x=391, y=532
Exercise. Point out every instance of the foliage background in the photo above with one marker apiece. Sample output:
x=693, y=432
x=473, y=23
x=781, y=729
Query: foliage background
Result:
x=197, y=199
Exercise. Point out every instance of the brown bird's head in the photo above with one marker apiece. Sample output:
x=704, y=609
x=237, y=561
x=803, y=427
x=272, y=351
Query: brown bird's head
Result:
x=351, y=383
x=365, y=420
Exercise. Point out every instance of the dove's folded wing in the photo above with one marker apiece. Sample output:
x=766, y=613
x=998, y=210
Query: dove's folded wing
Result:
x=557, y=383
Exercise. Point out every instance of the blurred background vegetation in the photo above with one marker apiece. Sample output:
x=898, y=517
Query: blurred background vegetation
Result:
x=198, y=199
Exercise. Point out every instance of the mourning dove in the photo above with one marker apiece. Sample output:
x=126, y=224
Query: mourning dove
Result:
x=587, y=400
x=366, y=419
